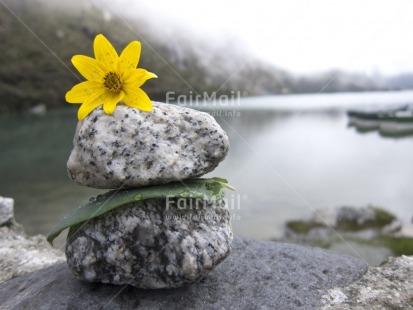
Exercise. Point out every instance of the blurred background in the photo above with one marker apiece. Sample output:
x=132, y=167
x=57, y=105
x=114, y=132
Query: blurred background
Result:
x=293, y=71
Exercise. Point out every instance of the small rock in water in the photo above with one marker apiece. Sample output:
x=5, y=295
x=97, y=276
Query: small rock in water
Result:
x=6, y=210
x=369, y=232
x=131, y=148
x=154, y=243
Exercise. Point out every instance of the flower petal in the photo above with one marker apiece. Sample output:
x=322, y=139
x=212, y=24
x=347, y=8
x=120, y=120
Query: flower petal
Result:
x=130, y=57
x=138, y=77
x=88, y=67
x=82, y=91
x=111, y=100
x=137, y=98
x=105, y=53
x=92, y=103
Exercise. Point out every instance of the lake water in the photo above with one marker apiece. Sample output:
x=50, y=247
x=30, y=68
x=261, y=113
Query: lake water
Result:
x=289, y=156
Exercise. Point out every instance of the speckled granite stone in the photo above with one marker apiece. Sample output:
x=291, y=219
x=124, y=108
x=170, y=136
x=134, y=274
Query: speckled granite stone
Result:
x=151, y=244
x=131, y=148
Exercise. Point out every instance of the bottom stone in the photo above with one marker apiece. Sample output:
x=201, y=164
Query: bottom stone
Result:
x=155, y=243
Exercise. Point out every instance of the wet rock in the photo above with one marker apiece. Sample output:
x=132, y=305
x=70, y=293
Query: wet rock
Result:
x=155, y=243
x=257, y=275
x=132, y=148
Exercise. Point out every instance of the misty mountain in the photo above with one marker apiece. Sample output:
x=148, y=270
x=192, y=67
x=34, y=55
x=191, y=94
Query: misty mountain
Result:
x=401, y=81
x=38, y=39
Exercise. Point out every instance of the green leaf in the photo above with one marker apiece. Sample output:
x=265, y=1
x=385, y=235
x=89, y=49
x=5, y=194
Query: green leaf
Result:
x=206, y=189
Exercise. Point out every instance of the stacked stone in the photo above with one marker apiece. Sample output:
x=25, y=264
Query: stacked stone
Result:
x=152, y=243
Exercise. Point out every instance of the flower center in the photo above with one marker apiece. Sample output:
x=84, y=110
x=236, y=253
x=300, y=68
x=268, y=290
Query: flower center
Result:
x=112, y=82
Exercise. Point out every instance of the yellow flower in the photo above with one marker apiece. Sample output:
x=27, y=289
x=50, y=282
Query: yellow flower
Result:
x=110, y=79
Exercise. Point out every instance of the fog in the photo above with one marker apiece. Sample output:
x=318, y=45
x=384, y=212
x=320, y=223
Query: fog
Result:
x=301, y=36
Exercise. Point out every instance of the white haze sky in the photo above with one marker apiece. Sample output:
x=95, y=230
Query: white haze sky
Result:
x=302, y=36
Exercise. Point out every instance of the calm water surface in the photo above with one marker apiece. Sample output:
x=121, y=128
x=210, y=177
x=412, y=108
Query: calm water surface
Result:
x=285, y=162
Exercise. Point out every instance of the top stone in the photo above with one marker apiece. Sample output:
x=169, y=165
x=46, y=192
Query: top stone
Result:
x=132, y=148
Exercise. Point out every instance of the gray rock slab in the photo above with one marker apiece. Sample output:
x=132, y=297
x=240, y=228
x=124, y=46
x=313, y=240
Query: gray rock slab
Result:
x=257, y=275
x=19, y=253
x=132, y=148
x=389, y=286
x=154, y=243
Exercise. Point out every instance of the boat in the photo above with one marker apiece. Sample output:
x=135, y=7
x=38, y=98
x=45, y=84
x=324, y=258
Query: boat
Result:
x=397, y=122
x=401, y=123
x=363, y=121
